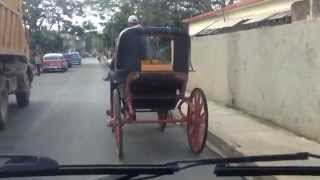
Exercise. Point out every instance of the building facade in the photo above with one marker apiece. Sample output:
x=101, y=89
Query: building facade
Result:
x=245, y=10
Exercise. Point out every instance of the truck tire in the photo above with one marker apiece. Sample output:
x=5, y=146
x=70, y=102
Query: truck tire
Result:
x=4, y=103
x=23, y=93
x=23, y=98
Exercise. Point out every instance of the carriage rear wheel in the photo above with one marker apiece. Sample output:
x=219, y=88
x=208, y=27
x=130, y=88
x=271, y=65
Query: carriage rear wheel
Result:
x=197, y=127
x=118, y=120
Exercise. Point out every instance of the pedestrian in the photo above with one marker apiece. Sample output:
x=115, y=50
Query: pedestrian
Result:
x=37, y=60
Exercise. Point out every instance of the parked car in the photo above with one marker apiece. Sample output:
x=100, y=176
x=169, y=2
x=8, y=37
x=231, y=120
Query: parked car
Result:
x=68, y=58
x=54, y=62
x=76, y=58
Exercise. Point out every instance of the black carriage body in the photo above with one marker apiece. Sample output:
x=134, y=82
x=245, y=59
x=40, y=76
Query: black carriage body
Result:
x=156, y=90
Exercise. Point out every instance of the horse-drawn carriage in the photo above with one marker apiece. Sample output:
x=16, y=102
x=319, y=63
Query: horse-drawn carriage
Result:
x=150, y=74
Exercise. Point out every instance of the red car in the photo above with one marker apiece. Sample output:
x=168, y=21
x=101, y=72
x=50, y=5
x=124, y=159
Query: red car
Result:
x=54, y=62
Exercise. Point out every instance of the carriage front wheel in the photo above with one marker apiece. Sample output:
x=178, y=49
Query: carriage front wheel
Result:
x=117, y=129
x=197, y=118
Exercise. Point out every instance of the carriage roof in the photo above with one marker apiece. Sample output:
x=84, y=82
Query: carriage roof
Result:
x=130, y=49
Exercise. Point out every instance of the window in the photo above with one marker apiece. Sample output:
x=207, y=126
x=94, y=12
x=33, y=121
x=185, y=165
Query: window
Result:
x=158, y=53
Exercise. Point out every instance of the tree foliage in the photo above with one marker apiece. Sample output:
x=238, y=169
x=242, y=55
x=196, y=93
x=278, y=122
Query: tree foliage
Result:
x=46, y=41
x=47, y=19
x=53, y=17
x=150, y=12
x=47, y=14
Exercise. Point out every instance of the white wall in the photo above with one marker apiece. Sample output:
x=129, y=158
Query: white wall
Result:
x=210, y=70
x=271, y=72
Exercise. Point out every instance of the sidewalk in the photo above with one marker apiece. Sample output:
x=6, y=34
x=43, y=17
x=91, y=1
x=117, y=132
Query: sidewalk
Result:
x=233, y=133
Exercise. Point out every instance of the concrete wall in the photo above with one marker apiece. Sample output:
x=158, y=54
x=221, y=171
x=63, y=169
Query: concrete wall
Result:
x=272, y=72
x=315, y=8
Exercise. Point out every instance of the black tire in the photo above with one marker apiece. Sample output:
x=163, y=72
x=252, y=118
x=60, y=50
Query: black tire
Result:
x=4, y=103
x=23, y=98
x=118, y=118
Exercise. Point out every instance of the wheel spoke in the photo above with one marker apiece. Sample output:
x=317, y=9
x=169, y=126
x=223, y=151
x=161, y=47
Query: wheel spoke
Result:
x=202, y=117
x=196, y=136
x=193, y=100
x=197, y=97
x=200, y=137
x=192, y=130
x=201, y=104
x=194, y=141
x=200, y=100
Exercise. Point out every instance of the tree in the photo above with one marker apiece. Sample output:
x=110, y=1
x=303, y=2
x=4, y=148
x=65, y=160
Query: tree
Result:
x=47, y=41
x=150, y=12
x=46, y=19
x=218, y=4
x=50, y=13
x=88, y=26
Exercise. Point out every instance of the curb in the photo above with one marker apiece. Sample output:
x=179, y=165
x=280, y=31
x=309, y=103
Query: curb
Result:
x=226, y=149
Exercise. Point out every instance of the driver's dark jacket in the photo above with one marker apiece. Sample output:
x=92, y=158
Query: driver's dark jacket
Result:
x=143, y=46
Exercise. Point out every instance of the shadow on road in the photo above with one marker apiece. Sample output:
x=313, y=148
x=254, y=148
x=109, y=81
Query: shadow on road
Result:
x=143, y=143
x=20, y=119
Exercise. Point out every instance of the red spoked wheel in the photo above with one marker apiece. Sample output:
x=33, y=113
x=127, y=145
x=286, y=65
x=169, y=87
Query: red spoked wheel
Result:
x=197, y=117
x=117, y=128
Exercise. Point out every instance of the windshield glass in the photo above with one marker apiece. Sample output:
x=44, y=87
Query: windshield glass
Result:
x=153, y=81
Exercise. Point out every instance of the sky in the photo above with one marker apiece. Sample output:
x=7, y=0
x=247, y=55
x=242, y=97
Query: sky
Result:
x=95, y=20
x=77, y=20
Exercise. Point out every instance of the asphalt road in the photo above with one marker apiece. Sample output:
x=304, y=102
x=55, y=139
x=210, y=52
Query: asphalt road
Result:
x=66, y=121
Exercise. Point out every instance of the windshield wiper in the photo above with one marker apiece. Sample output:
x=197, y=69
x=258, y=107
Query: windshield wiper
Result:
x=29, y=166
x=228, y=171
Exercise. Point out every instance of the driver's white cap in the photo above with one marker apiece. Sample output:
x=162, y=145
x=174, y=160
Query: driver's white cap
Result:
x=133, y=19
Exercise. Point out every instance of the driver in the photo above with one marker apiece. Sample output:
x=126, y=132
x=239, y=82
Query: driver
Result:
x=133, y=21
